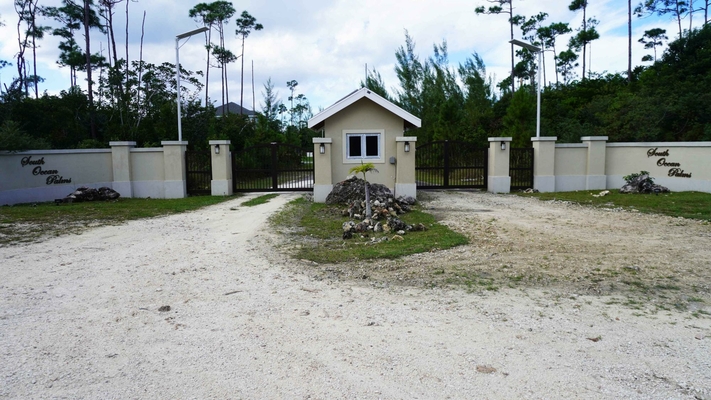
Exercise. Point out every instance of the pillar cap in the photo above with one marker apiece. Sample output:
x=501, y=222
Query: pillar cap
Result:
x=406, y=139
x=213, y=142
x=500, y=139
x=322, y=140
x=174, y=143
x=594, y=138
x=544, y=139
x=113, y=144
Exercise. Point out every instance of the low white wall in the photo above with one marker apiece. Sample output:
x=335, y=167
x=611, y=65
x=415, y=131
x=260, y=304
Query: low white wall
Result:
x=570, y=167
x=45, y=175
x=680, y=166
x=148, y=172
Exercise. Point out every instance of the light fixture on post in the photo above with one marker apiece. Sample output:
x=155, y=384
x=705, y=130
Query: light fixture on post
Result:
x=538, y=50
x=407, y=147
x=503, y=145
x=177, y=71
x=322, y=148
x=217, y=149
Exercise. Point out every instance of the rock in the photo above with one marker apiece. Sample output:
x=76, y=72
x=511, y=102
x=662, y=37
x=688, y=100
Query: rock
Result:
x=398, y=238
x=348, y=226
x=643, y=184
x=164, y=309
x=419, y=227
x=410, y=201
x=353, y=189
x=396, y=224
x=401, y=232
x=485, y=369
x=378, y=227
x=347, y=235
x=89, y=194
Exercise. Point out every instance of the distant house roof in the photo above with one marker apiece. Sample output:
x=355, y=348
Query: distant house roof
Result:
x=317, y=121
x=233, y=108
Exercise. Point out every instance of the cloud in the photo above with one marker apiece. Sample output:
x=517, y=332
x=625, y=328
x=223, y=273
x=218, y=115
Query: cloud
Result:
x=325, y=45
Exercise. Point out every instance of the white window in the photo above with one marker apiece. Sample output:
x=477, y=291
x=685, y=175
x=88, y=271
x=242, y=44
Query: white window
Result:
x=364, y=146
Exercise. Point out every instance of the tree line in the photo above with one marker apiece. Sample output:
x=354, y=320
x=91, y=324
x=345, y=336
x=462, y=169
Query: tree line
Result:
x=662, y=101
x=666, y=98
x=127, y=98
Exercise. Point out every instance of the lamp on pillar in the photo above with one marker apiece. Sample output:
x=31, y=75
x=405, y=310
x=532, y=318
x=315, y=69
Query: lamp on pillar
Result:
x=503, y=145
x=217, y=149
x=322, y=148
x=538, y=50
x=177, y=71
x=407, y=147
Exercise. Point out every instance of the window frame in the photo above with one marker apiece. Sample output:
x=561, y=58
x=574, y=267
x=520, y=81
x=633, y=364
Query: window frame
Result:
x=363, y=133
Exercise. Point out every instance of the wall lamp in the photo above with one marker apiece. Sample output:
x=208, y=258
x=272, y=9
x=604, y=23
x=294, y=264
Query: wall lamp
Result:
x=407, y=147
x=322, y=148
x=503, y=145
x=217, y=149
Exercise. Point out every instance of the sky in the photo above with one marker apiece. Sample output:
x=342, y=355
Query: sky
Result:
x=325, y=46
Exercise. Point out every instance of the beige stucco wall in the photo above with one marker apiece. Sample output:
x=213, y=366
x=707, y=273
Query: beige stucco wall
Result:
x=570, y=167
x=692, y=158
x=18, y=184
x=147, y=172
x=364, y=115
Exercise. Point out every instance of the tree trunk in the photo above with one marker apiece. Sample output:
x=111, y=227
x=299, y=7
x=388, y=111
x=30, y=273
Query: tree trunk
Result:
x=368, y=211
x=513, y=86
x=585, y=45
x=241, y=83
x=90, y=93
x=629, y=40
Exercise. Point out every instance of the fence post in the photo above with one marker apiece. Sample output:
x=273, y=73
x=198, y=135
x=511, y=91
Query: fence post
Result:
x=174, y=184
x=323, y=180
x=499, y=180
x=221, y=159
x=595, y=177
x=121, y=164
x=405, y=183
x=544, y=163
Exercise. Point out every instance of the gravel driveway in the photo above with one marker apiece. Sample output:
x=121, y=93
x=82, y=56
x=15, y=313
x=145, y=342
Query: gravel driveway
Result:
x=79, y=318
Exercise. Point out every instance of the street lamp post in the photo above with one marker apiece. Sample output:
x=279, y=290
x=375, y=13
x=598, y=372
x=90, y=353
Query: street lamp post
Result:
x=177, y=71
x=538, y=50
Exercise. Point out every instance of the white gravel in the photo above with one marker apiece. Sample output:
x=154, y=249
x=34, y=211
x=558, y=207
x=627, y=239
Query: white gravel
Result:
x=79, y=319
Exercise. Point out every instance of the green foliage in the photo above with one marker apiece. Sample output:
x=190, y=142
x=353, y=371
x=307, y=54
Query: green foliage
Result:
x=47, y=219
x=259, y=200
x=629, y=178
x=679, y=204
x=363, y=168
x=13, y=138
x=322, y=225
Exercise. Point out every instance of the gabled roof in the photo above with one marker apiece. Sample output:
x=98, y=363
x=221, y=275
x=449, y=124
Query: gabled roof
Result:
x=317, y=121
x=233, y=108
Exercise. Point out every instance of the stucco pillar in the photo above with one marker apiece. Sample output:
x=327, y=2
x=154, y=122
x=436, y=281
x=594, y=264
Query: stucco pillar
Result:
x=323, y=178
x=499, y=180
x=121, y=162
x=221, y=183
x=405, y=180
x=596, y=177
x=544, y=163
x=174, y=185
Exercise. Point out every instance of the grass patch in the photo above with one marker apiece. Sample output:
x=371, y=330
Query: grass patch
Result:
x=259, y=200
x=694, y=205
x=24, y=223
x=320, y=227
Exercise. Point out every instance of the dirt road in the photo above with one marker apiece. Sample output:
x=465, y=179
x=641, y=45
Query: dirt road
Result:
x=79, y=318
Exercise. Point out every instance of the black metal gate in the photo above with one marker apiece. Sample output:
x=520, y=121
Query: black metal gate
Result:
x=521, y=168
x=198, y=168
x=447, y=164
x=273, y=167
